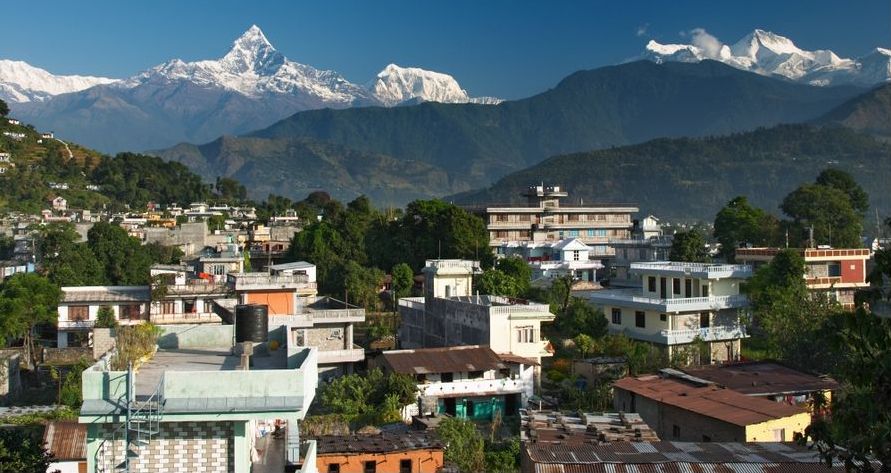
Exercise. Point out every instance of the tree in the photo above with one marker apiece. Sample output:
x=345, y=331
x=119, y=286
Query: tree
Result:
x=496, y=282
x=403, y=280
x=230, y=190
x=105, y=318
x=363, y=285
x=4, y=109
x=374, y=398
x=843, y=181
x=579, y=317
x=518, y=269
x=22, y=452
x=27, y=300
x=125, y=261
x=65, y=261
x=829, y=211
x=740, y=223
x=688, y=246
x=584, y=344
x=7, y=247
x=464, y=445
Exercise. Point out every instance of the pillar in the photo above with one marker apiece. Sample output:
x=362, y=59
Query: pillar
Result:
x=242, y=447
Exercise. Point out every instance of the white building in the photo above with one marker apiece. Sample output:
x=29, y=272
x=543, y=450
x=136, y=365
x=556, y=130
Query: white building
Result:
x=679, y=304
x=550, y=260
x=450, y=315
x=79, y=307
x=187, y=299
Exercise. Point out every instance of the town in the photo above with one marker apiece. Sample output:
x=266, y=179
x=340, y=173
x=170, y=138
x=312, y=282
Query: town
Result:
x=580, y=259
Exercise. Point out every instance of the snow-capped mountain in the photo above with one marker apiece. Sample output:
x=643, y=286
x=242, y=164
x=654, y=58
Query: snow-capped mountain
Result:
x=396, y=85
x=770, y=54
x=22, y=82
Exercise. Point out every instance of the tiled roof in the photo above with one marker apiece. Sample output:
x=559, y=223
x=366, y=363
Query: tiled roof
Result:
x=443, y=360
x=66, y=441
x=378, y=443
x=711, y=401
x=763, y=378
x=101, y=294
x=584, y=428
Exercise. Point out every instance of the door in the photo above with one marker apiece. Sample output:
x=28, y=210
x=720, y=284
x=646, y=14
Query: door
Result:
x=449, y=404
x=662, y=287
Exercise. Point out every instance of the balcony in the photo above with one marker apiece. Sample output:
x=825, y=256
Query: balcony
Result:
x=75, y=324
x=472, y=387
x=341, y=356
x=695, y=270
x=195, y=289
x=633, y=300
x=264, y=281
x=185, y=318
x=684, y=336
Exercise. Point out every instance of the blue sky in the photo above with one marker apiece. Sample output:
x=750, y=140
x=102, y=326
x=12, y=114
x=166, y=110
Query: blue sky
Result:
x=509, y=49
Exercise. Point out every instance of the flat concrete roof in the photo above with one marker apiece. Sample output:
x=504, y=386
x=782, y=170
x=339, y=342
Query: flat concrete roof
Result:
x=202, y=359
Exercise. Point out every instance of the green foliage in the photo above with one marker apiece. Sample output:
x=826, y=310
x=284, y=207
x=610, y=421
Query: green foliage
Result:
x=65, y=261
x=125, y=261
x=22, y=452
x=688, y=246
x=740, y=223
x=519, y=270
x=464, y=444
x=134, y=343
x=580, y=317
x=584, y=344
x=498, y=283
x=371, y=399
x=843, y=181
x=503, y=457
x=642, y=357
x=7, y=246
x=4, y=109
x=829, y=211
x=402, y=280
x=230, y=190
x=137, y=179
x=71, y=385
x=40, y=418
x=105, y=318
x=26, y=300
x=363, y=285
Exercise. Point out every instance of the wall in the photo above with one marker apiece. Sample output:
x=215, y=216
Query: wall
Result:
x=662, y=419
x=423, y=461
x=279, y=302
x=66, y=467
x=10, y=382
x=194, y=447
x=67, y=356
x=765, y=431
x=195, y=336
x=853, y=271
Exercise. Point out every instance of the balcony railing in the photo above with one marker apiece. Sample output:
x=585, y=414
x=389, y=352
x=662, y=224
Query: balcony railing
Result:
x=190, y=289
x=242, y=281
x=416, y=303
x=684, y=336
x=633, y=299
x=702, y=270
x=477, y=386
x=341, y=356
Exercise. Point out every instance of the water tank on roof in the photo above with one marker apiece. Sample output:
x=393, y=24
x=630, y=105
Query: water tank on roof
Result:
x=251, y=323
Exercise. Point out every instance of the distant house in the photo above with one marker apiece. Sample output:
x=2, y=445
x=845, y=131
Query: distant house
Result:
x=80, y=306
x=5, y=157
x=59, y=203
x=13, y=121
x=415, y=452
x=63, y=186
x=14, y=135
x=92, y=187
x=47, y=135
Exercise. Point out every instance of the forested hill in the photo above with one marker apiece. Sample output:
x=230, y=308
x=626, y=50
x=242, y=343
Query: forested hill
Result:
x=610, y=106
x=694, y=178
x=870, y=112
x=40, y=169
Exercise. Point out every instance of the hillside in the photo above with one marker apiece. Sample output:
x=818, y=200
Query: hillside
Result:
x=595, y=109
x=296, y=167
x=870, y=113
x=694, y=178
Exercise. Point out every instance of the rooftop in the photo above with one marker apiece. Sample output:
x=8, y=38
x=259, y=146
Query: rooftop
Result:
x=698, y=270
x=385, y=442
x=443, y=360
x=855, y=253
x=136, y=294
x=762, y=378
x=584, y=428
x=66, y=440
x=673, y=457
x=296, y=265
x=709, y=400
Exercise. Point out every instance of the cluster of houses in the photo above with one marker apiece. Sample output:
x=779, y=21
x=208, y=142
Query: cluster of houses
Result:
x=242, y=354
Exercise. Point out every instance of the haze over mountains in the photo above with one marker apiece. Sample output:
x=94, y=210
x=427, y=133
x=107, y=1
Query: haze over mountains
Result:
x=770, y=54
x=250, y=87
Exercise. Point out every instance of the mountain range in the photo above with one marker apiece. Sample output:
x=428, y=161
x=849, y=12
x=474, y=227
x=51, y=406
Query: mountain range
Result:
x=252, y=86
x=472, y=145
x=770, y=54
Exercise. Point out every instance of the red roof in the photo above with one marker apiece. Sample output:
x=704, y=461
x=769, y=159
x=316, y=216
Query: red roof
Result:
x=709, y=400
x=66, y=440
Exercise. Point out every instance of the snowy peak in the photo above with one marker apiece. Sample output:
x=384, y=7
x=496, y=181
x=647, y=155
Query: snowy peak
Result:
x=21, y=82
x=398, y=85
x=252, y=53
x=768, y=53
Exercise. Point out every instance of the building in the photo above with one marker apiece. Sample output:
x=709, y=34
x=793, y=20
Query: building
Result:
x=407, y=452
x=13, y=121
x=559, y=428
x=600, y=369
x=290, y=294
x=195, y=406
x=471, y=382
x=686, y=409
x=635, y=250
x=185, y=297
x=769, y=380
x=66, y=442
x=80, y=305
x=554, y=259
x=680, y=305
x=673, y=457
x=838, y=272
x=224, y=259
x=47, y=135
x=450, y=315
x=543, y=218
x=59, y=203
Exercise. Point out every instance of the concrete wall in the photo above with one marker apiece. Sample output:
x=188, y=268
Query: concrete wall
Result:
x=691, y=427
x=195, y=336
x=194, y=447
x=779, y=430
x=10, y=382
x=422, y=461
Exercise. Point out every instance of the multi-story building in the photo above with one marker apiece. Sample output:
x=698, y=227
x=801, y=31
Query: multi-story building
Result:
x=470, y=382
x=838, y=272
x=184, y=297
x=543, y=219
x=549, y=260
x=386, y=452
x=79, y=307
x=635, y=250
x=200, y=408
x=679, y=304
x=450, y=315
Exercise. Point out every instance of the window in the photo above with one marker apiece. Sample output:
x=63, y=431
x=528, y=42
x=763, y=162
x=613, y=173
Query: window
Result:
x=405, y=466
x=640, y=319
x=573, y=233
x=675, y=431
x=475, y=374
x=526, y=334
x=676, y=286
x=651, y=283
x=688, y=288
x=663, y=317
x=78, y=312
x=704, y=320
x=168, y=307
x=334, y=468
x=779, y=435
x=189, y=306
x=617, y=316
x=834, y=270
x=370, y=467
x=132, y=311
x=575, y=255
x=590, y=233
x=447, y=377
x=705, y=290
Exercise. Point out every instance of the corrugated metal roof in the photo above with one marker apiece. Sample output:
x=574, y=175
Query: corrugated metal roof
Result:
x=66, y=441
x=590, y=428
x=763, y=378
x=719, y=403
x=106, y=294
x=383, y=442
x=443, y=360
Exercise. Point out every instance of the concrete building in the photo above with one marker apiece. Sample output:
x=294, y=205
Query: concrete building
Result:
x=407, y=452
x=59, y=203
x=543, y=218
x=550, y=260
x=450, y=315
x=687, y=409
x=679, y=304
x=635, y=250
x=226, y=258
x=838, y=272
x=187, y=298
x=471, y=382
x=79, y=307
x=195, y=407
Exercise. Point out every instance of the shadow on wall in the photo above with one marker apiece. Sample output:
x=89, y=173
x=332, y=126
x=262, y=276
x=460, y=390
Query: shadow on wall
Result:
x=195, y=336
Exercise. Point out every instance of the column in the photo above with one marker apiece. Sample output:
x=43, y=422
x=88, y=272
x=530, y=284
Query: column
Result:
x=242, y=447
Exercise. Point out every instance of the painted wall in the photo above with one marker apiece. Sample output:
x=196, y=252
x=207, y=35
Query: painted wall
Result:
x=422, y=461
x=279, y=302
x=770, y=431
x=195, y=336
x=853, y=271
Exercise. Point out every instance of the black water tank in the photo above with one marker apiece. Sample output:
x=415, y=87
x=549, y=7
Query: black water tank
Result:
x=251, y=323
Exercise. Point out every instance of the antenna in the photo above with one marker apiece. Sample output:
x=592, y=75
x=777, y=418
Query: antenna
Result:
x=811, y=236
x=440, y=249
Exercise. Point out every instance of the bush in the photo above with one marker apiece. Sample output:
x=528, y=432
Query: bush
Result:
x=133, y=343
x=105, y=318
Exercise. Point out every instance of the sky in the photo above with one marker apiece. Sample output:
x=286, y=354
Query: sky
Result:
x=508, y=49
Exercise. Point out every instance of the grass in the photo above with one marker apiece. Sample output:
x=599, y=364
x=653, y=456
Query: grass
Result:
x=62, y=413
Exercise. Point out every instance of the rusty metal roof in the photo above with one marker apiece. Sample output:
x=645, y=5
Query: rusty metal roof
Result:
x=763, y=378
x=443, y=360
x=66, y=440
x=383, y=442
x=581, y=428
x=712, y=401
x=674, y=457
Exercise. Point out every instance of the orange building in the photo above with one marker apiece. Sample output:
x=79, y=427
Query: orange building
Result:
x=409, y=452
